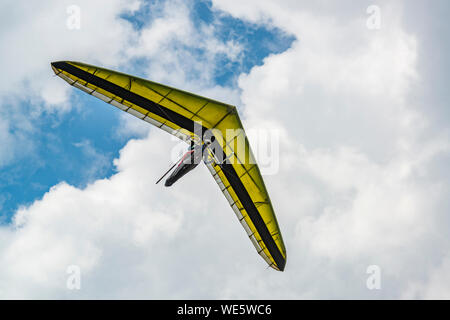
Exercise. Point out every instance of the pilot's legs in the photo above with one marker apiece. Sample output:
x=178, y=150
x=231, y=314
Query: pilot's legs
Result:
x=179, y=172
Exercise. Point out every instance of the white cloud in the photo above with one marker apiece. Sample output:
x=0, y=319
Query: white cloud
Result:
x=436, y=285
x=361, y=150
x=37, y=34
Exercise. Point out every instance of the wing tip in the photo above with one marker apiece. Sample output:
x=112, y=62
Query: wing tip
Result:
x=279, y=266
x=282, y=265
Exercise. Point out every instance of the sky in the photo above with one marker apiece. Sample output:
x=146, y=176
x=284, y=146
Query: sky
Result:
x=357, y=94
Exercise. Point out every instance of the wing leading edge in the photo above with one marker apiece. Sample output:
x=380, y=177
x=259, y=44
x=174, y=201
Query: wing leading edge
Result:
x=181, y=113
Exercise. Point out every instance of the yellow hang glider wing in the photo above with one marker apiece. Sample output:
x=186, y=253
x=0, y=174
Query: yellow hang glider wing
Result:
x=181, y=113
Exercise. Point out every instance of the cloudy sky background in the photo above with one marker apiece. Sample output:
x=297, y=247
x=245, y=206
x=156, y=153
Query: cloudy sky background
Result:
x=363, y=179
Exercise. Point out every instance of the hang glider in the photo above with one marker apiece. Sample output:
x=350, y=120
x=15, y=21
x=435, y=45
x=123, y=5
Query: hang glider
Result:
x=192, y=118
